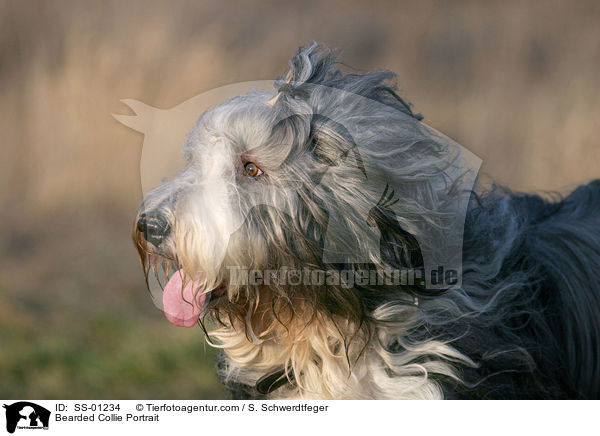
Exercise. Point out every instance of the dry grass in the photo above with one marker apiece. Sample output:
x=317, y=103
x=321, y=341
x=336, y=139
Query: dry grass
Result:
x=515, y=82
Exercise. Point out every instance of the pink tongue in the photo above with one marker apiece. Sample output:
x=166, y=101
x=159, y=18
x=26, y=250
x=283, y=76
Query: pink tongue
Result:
x=180, y=307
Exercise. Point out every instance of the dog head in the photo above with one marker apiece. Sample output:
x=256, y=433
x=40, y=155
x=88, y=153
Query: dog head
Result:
x=287, y=197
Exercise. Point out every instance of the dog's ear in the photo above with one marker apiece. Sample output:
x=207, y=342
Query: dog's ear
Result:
x=329, y=142
x=332, y=144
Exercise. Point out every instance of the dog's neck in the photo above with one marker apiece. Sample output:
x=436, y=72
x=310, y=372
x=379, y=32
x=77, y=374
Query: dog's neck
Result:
x=316, y=360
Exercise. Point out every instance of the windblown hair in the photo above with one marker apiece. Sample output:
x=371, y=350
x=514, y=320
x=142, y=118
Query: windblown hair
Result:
x=523, y=324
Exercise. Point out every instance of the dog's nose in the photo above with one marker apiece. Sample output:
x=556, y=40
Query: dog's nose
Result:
x=155, y=228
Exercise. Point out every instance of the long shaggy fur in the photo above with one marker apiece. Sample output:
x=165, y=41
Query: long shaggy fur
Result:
x=525, y=322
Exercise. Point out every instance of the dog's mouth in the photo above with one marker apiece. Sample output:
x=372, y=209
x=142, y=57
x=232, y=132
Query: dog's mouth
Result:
x=184, y=300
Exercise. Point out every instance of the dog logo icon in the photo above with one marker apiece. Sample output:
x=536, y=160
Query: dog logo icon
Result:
x=26, y=415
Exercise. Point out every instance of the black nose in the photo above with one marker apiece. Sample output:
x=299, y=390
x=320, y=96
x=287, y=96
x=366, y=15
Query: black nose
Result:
x=155, y=228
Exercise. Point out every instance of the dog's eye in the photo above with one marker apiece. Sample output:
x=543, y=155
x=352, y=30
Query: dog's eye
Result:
x=252, y=170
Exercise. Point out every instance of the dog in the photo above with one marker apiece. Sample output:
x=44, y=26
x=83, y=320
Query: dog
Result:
x=303, y=236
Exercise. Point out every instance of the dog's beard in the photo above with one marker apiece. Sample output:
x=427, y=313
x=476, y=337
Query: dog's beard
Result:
x=184, y=298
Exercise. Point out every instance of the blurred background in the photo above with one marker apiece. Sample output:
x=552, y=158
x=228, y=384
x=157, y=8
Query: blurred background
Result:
x=516, y=82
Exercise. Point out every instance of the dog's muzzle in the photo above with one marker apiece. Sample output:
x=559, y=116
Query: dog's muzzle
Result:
x=155, y=228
